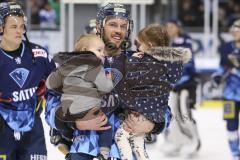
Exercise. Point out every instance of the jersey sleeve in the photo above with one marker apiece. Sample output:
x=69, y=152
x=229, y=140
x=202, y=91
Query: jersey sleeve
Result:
x=52, y=103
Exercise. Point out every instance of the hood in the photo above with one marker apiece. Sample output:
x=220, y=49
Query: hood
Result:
x=172, y=54
x=77, y=58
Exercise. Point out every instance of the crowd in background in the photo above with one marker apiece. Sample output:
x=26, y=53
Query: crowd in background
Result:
x=46, y=13
x=191, y=12
x=43, y=14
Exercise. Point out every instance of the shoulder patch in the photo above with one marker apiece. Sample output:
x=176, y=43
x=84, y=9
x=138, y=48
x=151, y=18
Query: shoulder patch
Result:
x=39, y=53
x=179, y=40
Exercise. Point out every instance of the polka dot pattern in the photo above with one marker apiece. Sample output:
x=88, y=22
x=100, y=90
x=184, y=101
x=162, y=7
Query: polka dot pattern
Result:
x=146, y=85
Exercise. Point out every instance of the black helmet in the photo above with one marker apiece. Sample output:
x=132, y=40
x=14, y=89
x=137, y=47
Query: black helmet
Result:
x=115, y=10
x=235, y=26
x=112, y=9
x=10, y=8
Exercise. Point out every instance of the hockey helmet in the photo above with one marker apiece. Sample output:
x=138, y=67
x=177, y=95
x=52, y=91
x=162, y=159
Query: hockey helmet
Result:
x=91, y=27
x=114, y=10
x=235, y=26
x=10, y=8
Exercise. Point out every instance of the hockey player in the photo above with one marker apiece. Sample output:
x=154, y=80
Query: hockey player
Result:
x=230, y=74
x=91, y=27
x=114, y=26
x=23, y=68
x=182, y=136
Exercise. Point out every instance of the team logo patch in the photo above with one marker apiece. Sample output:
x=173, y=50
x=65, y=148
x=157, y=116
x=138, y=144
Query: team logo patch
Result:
x=39, y=53
x=20, y=76
x=116, y=75
x=3, y=157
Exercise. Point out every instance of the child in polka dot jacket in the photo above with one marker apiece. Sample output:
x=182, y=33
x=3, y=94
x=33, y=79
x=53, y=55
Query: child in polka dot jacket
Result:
x=149, y=76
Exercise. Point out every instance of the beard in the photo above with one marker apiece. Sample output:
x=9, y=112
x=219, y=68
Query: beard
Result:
x=111, y=47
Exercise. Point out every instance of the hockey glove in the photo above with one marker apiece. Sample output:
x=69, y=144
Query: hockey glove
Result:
x=41, y=89
x=216, y=79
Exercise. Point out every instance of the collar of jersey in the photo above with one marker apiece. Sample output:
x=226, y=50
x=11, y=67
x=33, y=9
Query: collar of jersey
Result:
x=23, y=48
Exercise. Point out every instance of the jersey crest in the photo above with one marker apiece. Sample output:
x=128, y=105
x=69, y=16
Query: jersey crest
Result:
x=20, y=76
x=116, y=75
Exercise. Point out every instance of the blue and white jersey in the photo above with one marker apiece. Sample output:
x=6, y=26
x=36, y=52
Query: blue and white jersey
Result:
x=19, y=81
x=184, y=40
x=232, y=80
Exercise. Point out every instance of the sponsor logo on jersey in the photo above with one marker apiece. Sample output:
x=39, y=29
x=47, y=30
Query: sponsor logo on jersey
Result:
x=20, y=76
x=39, y=53
x=116, y=75
x=38, y=157
x=179, y=40
x=23, y=95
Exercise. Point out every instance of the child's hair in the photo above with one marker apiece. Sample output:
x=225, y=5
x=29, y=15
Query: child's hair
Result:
x=84, y=41
x=155, y=34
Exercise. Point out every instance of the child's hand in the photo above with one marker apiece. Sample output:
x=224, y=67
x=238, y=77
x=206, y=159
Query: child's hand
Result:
x=138, y=54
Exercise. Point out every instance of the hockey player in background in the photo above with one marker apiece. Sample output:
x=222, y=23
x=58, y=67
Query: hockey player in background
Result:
x=91, y=27
x=182, y=136
x=23, y=68
x=229, y=73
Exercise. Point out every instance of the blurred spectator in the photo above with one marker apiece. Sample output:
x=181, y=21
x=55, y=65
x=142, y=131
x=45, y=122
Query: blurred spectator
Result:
x=35, y=8
x=191, y=12
x=55, y=4
x=47, y=17
x=229, y=11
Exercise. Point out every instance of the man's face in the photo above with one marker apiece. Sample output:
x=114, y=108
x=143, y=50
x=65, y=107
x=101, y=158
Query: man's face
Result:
x=172, y=30
x=13, y=30
x=235, y=32
x=115, y=30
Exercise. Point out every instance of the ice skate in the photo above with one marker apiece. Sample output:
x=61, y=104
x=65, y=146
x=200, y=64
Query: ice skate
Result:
x=190, y=150
x=170, y=149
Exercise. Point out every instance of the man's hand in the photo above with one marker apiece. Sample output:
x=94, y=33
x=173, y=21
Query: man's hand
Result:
x=137, y=124
x=93, y=120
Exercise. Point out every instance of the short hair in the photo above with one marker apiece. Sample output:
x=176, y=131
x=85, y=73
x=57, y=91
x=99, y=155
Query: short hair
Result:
x=84, y=41
x=155, y=34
